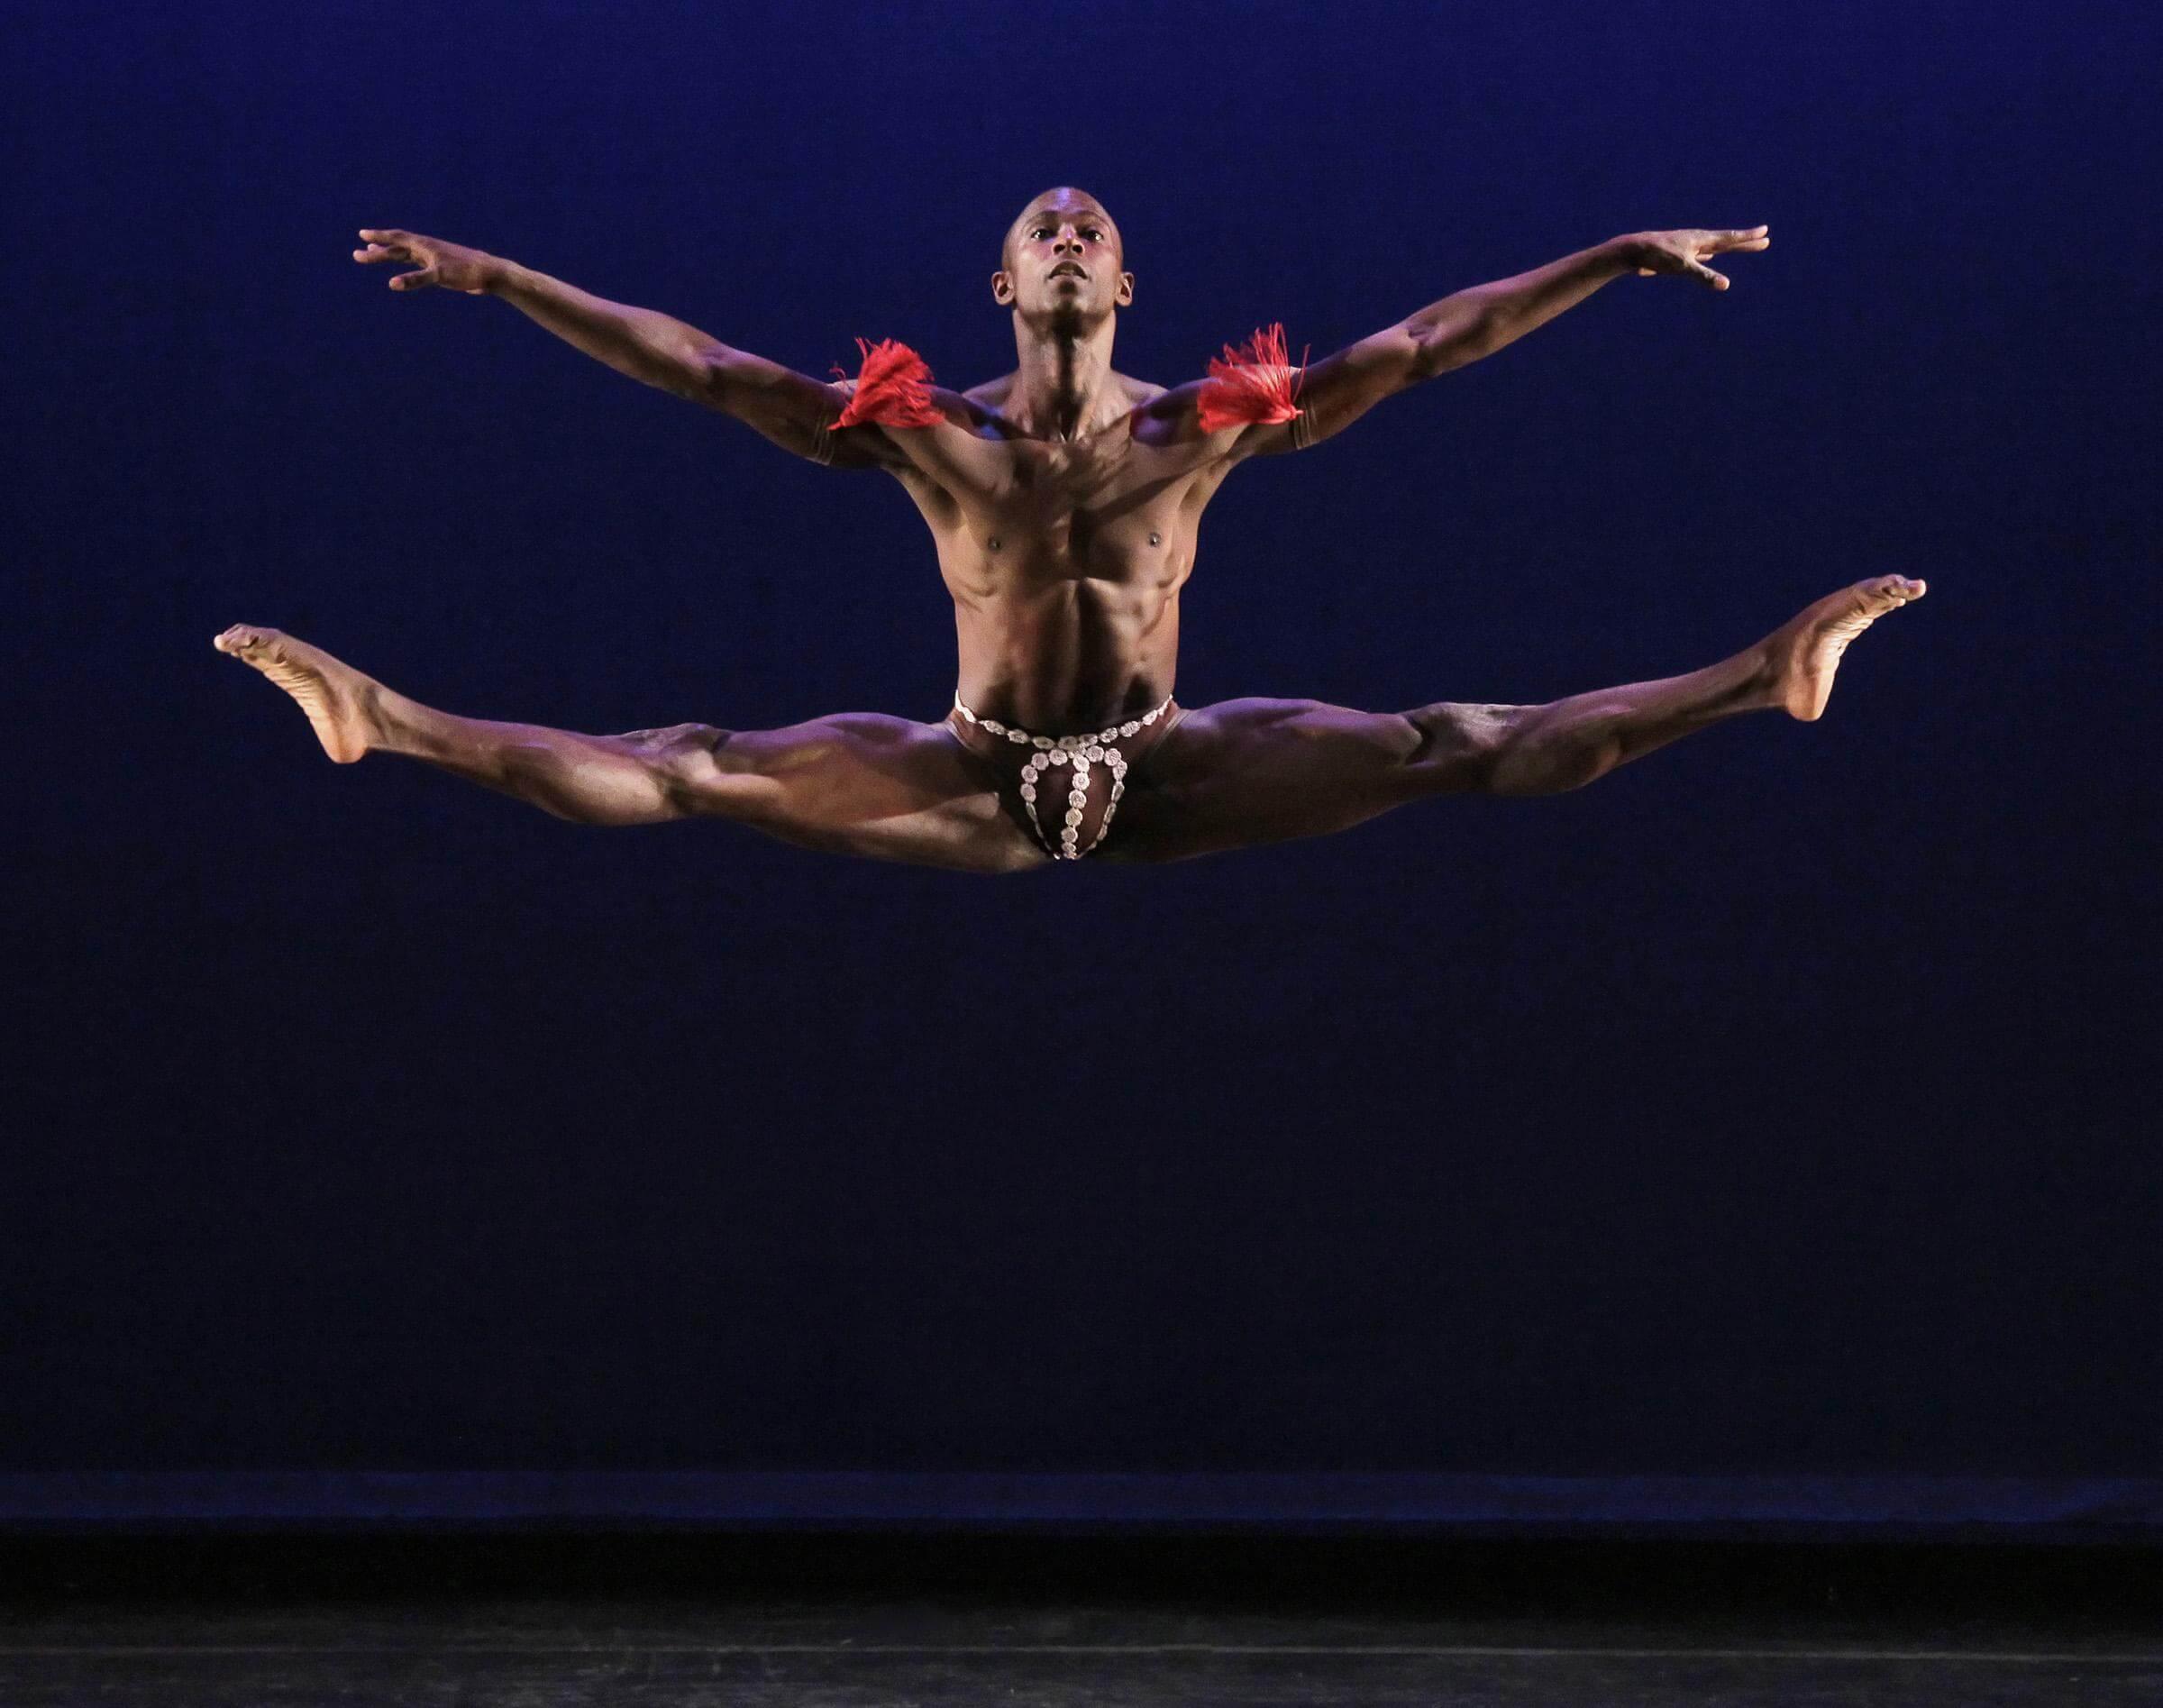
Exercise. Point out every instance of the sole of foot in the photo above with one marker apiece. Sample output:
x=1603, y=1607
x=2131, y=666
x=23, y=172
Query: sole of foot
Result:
x=329, y=691
x=1806, y=652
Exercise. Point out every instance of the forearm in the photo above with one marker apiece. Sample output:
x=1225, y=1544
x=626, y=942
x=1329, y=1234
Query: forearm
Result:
x=649, y=347
x=1476, y=323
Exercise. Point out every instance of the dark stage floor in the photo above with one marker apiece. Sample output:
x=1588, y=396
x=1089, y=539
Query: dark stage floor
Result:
x=812, y=1621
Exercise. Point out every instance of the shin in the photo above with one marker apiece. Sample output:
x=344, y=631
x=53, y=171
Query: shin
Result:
x=1566, y=743
x=637, y=779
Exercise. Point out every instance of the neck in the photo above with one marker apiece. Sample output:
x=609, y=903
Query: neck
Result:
x=1063, y=386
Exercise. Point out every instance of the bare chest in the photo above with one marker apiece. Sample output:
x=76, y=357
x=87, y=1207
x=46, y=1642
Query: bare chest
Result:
x=1104, y=509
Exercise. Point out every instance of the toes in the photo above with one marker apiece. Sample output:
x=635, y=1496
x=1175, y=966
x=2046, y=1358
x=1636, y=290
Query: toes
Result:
x=1898, y=588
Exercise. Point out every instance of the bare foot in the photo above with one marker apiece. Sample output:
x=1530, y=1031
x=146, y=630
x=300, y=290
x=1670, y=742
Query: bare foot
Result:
x=336, y=697
x=1805, y=651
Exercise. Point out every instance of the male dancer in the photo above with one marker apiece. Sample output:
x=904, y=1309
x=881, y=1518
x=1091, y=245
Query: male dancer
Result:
x=1063, y=500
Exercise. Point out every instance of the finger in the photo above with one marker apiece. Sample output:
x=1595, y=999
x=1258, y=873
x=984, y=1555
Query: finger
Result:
x=386, y=236
x=379, y=252
x=1755, y=238
x=424, y=276
x=1718, y=281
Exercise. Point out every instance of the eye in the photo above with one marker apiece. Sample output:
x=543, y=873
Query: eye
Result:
x=1040, y=230
x=1094, y=233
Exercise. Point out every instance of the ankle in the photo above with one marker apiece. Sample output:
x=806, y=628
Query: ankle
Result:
x=1763, y=678
x=394, y=724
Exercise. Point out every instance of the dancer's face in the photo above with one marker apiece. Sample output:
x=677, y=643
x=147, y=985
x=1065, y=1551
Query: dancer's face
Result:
x=1061, y=261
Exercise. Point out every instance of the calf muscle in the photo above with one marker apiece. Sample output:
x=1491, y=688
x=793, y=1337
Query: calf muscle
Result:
x=642, y=777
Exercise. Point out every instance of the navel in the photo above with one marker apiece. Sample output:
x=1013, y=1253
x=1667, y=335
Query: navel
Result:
x=1155, y=538
x=995, y=542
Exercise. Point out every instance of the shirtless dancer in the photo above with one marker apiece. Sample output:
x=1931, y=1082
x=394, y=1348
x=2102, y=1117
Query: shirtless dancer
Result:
x=1063, y=500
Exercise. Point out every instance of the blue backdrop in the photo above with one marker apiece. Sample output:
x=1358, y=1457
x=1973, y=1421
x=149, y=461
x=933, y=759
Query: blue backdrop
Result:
x=1777, y=1105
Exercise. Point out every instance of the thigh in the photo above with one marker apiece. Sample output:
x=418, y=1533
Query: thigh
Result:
x=858, y=783
x=1245, y=771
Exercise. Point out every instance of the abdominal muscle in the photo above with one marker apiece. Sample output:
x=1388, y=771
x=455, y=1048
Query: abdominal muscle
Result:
x=1067, y=656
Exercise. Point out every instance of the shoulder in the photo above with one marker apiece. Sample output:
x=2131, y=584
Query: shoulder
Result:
x=1140, y=393
x=985, y=404
x=1165, y=415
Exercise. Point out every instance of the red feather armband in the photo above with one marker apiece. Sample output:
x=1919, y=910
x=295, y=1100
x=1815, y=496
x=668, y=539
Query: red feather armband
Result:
x=1256, y=382
x=890, y=389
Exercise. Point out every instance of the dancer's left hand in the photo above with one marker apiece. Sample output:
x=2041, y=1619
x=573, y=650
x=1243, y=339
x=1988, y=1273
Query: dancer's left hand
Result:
x=1686, y=251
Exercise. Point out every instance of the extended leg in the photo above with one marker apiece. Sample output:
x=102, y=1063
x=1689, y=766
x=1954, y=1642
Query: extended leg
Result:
x=597, y=779
x=853, y=784
x=1259, y=771
x=1541, y=750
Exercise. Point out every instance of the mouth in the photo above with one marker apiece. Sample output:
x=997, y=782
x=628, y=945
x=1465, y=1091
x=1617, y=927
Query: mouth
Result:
x=1069, y=270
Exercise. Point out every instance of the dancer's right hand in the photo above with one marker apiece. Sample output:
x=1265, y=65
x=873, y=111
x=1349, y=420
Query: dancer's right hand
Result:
x=449, y=265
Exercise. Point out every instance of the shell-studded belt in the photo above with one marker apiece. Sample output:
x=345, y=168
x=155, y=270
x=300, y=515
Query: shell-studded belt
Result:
x=1082, y=753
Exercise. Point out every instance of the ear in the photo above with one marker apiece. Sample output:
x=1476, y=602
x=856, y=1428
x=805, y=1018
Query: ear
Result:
x=1124, y=294
x=1002, y=288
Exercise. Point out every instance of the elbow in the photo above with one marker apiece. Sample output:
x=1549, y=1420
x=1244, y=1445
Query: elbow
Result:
x=1458, y=341
x=1440, y=355
x=695, y=378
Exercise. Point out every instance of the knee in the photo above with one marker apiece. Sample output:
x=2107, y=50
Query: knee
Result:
x=670, y=771
x=662, y=746
x=1461, y=747
x=687, y=762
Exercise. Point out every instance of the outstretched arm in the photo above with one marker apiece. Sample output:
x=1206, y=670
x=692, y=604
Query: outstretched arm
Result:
x=1462, y=328
x=792, y=409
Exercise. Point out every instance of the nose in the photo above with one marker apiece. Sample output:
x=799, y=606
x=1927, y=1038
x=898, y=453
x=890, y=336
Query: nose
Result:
x=1069, y=239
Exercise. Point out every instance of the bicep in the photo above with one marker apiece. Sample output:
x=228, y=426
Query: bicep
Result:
x=792, y=409
x=953, y=454
x=1335, y=391
x=1331, y=394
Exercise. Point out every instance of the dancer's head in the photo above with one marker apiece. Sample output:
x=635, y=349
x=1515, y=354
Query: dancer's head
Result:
x=1063, y=261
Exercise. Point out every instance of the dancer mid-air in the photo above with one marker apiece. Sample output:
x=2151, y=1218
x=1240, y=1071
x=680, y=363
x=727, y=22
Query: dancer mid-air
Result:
x=1063, y=498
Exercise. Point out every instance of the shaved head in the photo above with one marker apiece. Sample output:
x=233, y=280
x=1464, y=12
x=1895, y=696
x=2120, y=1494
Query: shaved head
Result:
x=1063, y=266
x=1063, y=201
